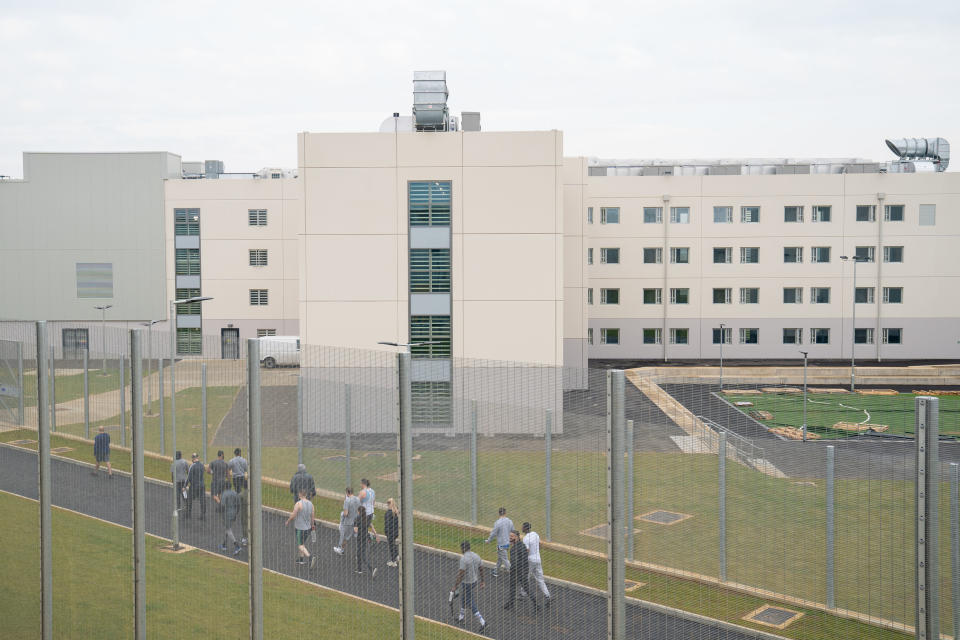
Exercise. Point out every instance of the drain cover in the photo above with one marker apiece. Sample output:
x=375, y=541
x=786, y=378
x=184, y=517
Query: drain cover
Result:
x=664, y=517
x=772, y=616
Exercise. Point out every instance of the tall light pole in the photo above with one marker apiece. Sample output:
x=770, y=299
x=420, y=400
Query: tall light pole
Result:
x=173, y=357
x=103, y=334
x=149, y=326
x=722, y=340
x=804, y=395
x=853, y=331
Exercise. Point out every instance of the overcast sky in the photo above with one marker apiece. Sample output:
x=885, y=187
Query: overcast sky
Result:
x=671, y=79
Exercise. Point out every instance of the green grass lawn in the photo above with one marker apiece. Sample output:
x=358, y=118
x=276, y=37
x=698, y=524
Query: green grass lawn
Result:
x=70, y=387
x=824, y=410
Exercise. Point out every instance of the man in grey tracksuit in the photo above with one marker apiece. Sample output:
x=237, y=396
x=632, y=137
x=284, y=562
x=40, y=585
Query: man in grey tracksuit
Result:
x=501, y=531
x=230, y=502
x=351, y=504
x=179, y=470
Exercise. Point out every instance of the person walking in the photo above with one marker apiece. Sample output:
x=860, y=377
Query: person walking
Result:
x=367, y=496
x=230, y=503
x=218, y=469
x=470, y=577
x=243, y=495
x=302, y=519
x=518, y=572
x=531, y=540
x=391, y=529
x=238, y=470
x=501, y=531
x=195, y=487
x=101, y=451
x=302, y=480
x=178, y=470
x=362, y=529
x=351, y=505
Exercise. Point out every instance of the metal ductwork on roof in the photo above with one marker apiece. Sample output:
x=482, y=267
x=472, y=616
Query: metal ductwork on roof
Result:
x=936, y=150
x=430, y=101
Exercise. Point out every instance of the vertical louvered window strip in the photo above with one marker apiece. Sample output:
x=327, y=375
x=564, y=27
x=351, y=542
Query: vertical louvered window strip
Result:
x=430, y=204
x=430, y=329
x=431, y=403
x=186, y=222
x=430, y=271
x=187, y=262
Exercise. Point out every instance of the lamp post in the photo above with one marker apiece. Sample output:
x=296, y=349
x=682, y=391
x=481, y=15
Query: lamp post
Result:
x=149, y=326
x=853, y=331
x=804, y=395
x=103, y=334
x=722, y=340
x=173, y=356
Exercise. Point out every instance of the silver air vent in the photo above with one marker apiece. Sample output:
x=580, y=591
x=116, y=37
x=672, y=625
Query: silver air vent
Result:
x=430, y=101
x=935, y=150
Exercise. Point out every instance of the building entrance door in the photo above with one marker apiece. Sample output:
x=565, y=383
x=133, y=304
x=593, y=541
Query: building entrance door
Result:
x=230, y=343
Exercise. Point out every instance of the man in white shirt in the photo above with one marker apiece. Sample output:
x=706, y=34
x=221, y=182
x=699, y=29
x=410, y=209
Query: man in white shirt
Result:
x=532, y=542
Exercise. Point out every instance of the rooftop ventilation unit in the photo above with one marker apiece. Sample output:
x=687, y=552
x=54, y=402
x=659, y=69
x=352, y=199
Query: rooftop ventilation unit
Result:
x=935, y=150
x=430, y=101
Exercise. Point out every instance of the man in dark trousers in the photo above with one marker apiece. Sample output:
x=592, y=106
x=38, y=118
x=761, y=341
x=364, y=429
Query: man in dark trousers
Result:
x=195, y=486
x=101, y=451
x=230, y=503
x=362, y=527
x=302, y=480
x=218, y=469
x=518, y=571
x=238, y=470
x=179, y=470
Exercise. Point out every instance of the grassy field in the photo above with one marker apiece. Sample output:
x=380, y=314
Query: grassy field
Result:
x=825, y=410
x=70, y=387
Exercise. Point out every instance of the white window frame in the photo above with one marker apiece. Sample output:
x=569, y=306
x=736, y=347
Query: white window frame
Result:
x=728, y=254
x=867, y=335
x=797, y=335
x=604, y=215
x=888, y=210
x=605, y=336
x=589, y=295
x=743, y=255
x=727, y=295
x=675, y=334
x=886, y=254
x=657, y=215
x=590, y=255
x=658, y=255
x=813, y=335
x=657, y=335
x=744, y=335
x=886, y=295
x=816, y=258
x=799, y=251
x=750, y=214
x=821, y=213
x=589, y=335
x=675, y=294
x=658, y=295
x=726, y=335
x=604, y=255
x=723, y=215
x=797, y=294
x=813, y=295
x=798, y=214
x=589, y=215
x=680, y=215
x=871, y=293
x=605, y=294
x=885, y=335
x=870, y=254
x=675, y=253
x=746, y=292
x=871, y=214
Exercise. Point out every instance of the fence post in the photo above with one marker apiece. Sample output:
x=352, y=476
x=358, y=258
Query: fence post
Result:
x=163, y=437
x=548, y=481
x=123, y=398
x=86, y=395
x=630, y=490
x=139, y=518
x=722, y=519
x=53, y=392
x=831, y=595
x=616, y=569
x=173, y=399
x=955, y=543
x=255, y=517
x=473, y=462
x=928, y=484
x=346, y=429
x=203, y=408
x=46, y=531
x=299, y=419
x=20, y=416
x=407, y=592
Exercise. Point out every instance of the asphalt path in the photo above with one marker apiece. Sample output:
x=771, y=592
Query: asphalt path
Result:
x=575, y=613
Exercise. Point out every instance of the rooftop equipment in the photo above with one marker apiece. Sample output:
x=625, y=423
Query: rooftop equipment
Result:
x=935, y=150
x=430, y=95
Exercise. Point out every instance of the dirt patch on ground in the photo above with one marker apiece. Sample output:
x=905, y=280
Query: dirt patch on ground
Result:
x=859, y=427
x=878, y=392
x=828, y=390
x=761, y=415
x=793, y=433
x=742, y=392
x=928, y=392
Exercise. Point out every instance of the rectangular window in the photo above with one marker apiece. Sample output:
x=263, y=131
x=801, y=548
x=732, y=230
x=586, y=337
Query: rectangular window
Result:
x=680, y=295
x=749, y=336
x=819, y=336
x=821, y=213
x=679, y=336
x=430, y=203
x=724, y=335
x=431, y=403
x=609, y=336
x=863, y=336
x=259, y=297
x=865, y=254
x=893, y=254
x=429, y=270
x=609, y=296
x=866, y=213
x=589, y=215
x=680, y=255
x=893, y=295
x=749, y=295
x=590, y=256
x=863, y=295
x=680, y=215
x=434, y=329
x=892, y=336
x=793, y=214
x=749, y=214
x=749, y=255
x=609, y=255
x=190, y=308
x=590, y=336
x=819, y=254
x=722, y=255
x=266, y=333
x=652, y=296
x=722, y=296
x=94, y=279
x=820, y=295
x=609, y=215
x=257, y=217
x=652, y=215
x=723, y=215
x=652, y=255
x=590, y=295
x=189, y=341
x=928, y=215
x=793, y=336
x=186, y=222
x=187, y=262
x=258, y=257
x=792, y=295
x=792, y=254
x=893, y=212
x=652, y=336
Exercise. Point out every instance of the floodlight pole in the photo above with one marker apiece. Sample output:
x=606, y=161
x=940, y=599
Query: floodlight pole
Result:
x=103, y=334
x=804, y=395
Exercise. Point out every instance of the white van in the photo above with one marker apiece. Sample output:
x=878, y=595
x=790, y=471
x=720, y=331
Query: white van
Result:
x=279, y=351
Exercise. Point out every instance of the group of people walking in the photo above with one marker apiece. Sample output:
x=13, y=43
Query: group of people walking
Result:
x=228, y=488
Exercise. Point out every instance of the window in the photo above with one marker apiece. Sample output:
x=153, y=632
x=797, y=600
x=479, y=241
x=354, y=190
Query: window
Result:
x=820, y=295
x=863, y=295
x=590, y=256
x=189, y=341
x=431, y=403
x=429, y=203
x=589, y=215
x=821, y=213
x=680, y=255
x=793, y=254
x=190, y=308
x=680, y=295
x=258, y=257
x=792, y=295
x=749, y=295
x=186, y=222
x=652, y=215
x=724, y=335
x=590, y=336
x=266, y=333
x=187, y=262
x=749, y=214
x=652, y=255
x=275, y=176
x=590, y=295
x=928, y=215
x=722, y=215
x=866, y=213
x=680, y=215
x=258, y=297
x=793, y=214
x=609, y=215
x=94, y=279
x=819, y=336
x=749, y=336
x=893, y=212
x=893, y=295
x=430, y=329
x=892, y=336
x=793, y=336
x=722, y=255
x=893, y=254
x=722, y=296
x=257, y=217
x=429, y=270
x=652, y=336
x=609, y=256
x=609, y=296
x=749, y=255
x=864, y=254
x=609, y=336
x=652, y=296
x=863, y=336
x=819, y=254
x=679, y=336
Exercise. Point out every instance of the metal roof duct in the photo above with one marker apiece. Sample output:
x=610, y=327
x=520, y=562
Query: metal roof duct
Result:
x=430, y=100
x=936, y=150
